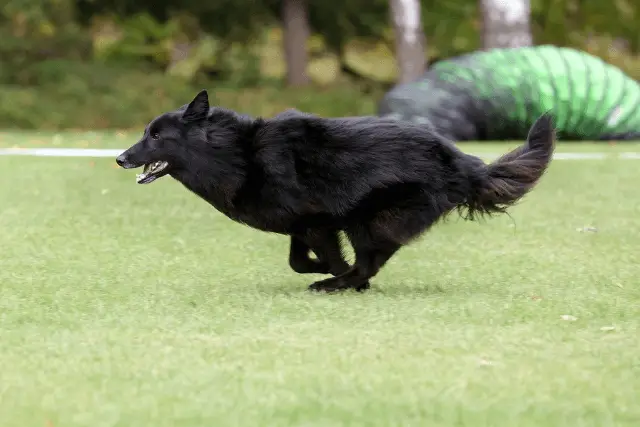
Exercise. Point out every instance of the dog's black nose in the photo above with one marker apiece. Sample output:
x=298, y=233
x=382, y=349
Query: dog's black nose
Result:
x=121, y=160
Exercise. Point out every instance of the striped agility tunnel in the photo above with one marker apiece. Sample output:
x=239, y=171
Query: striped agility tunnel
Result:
x=499, y=93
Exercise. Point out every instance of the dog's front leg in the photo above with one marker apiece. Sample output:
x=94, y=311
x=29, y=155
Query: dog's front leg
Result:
x=301, y=262
x=325, y=244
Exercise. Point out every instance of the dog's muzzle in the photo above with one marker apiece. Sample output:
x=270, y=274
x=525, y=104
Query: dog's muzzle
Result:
x=123, y=162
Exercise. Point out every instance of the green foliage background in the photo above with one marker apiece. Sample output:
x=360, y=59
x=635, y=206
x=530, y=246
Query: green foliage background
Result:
x=108, y=63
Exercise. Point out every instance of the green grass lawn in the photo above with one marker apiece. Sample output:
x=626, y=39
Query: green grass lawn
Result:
x=130, y=305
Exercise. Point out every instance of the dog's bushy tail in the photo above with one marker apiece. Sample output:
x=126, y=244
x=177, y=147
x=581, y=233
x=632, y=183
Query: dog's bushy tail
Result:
x=496, y=186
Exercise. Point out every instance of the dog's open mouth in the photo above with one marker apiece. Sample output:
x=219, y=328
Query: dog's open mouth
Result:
x=151, y=172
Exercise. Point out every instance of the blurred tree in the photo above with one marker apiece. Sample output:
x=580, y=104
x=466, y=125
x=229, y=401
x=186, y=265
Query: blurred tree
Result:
x=226, y=39
x=409, y=38
x=506, y=23
x=295, y=35
x=341, y=22
x=32, y=31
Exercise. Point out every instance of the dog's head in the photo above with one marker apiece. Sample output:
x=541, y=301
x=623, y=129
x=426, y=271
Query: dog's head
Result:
x=161, y=149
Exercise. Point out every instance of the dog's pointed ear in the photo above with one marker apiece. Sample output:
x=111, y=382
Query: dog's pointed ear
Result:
x=198, y=109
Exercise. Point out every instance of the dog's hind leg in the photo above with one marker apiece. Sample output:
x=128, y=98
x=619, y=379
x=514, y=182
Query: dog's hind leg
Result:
x=378, y=240
x=325, y=244
x=371, y=255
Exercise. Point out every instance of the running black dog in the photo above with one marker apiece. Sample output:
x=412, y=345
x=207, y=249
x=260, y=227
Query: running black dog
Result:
x=383, y=182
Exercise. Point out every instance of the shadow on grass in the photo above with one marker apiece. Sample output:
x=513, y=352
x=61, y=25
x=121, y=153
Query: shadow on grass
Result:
x=378, y=289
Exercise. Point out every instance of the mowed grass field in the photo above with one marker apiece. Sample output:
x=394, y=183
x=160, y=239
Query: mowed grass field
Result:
x=131, y=305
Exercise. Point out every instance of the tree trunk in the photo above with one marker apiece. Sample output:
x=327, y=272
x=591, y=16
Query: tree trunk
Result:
x=409, y=38
x=506, y=23
x=295, y=34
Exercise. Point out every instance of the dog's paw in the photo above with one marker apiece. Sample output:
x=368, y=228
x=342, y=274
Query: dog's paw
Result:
x=337, y=285
x=339, y=270
x=328, y=285
x=363, y=287
x=309, y=266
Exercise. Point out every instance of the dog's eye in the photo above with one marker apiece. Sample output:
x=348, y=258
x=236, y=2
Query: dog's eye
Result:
x=155, y=135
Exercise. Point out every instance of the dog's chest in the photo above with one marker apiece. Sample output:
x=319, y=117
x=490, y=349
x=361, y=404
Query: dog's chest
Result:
x=264, y=220
x=258, y=217
x=255, y=212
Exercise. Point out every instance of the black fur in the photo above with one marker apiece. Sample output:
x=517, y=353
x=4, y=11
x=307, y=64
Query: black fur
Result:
x=383, y=182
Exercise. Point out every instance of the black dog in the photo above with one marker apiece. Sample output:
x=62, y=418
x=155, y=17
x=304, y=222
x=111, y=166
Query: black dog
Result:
x=382, y=182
